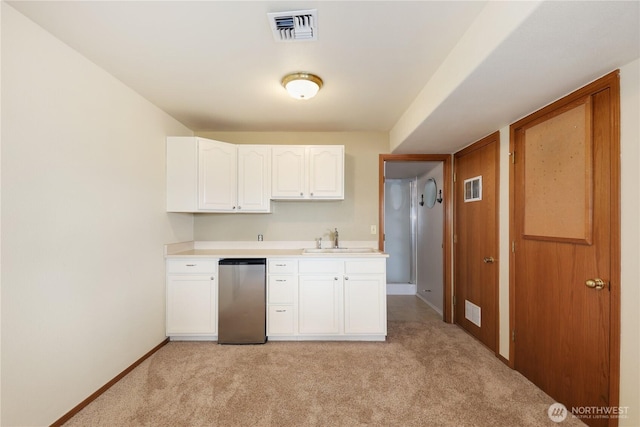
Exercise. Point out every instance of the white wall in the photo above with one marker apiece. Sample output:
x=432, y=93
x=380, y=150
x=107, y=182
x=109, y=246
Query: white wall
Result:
x=0, y=221
x=83, y=225
x=630, y=244
x=430, y=275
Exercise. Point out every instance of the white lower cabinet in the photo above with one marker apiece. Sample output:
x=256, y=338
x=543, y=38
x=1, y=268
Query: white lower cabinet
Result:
x=365, y=296
x=192, y=293
x=319, y=304
x=365, y=304
x=307, y=299
x=327, y=298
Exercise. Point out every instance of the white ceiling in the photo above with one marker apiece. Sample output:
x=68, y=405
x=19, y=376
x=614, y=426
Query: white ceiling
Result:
x=390, y=66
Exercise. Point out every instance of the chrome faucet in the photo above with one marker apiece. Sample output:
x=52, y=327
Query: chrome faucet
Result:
x=335, y=239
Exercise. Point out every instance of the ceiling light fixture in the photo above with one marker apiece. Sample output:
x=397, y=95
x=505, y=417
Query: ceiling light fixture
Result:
x=302, y=85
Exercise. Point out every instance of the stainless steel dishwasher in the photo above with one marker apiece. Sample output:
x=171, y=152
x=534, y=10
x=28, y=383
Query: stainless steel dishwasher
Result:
x=242, y=301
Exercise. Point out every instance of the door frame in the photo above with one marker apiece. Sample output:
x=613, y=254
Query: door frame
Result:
x=446, y=159
x=612, y=81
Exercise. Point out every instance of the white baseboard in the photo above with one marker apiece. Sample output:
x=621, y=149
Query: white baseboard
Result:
x=436, y=309
x=401, y=289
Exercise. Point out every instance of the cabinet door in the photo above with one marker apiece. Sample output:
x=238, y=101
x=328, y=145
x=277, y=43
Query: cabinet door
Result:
x=326, y=172
x=217, y=175
x=365, y=308
x=191, y=304
x=319, y=304
x=289, y=172
x=254, y=178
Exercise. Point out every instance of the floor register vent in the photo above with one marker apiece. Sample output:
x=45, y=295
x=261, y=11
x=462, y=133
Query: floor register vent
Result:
x=472, y=313
x=300, y=25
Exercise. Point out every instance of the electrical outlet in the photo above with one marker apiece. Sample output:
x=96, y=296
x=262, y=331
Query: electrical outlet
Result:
x=374, y=229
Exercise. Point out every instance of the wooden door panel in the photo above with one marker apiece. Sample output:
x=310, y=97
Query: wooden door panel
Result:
x=476, y=238
x=558, y=154
x=562, y=327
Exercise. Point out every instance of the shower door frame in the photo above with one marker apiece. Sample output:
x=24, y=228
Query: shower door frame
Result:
x=447, y=160
x=413, y=264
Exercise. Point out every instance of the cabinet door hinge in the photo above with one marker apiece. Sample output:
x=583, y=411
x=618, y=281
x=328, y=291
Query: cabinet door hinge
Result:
x=454, y=300
x=455, y=238
x=513, y=157
x=513, y=246
x=454, y=177
x=513, y=335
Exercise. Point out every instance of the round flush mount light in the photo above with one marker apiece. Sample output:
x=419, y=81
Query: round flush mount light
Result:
x=302, y=85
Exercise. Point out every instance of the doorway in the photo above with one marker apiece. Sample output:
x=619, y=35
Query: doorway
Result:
x=403, y=184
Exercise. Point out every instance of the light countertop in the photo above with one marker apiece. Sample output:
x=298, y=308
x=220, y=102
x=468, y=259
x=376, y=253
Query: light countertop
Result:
x=262, y=250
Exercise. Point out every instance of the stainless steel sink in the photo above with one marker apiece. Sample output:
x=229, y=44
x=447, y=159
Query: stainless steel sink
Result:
x=339, y=251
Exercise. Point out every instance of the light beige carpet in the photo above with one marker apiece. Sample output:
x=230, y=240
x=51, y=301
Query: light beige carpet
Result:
x=427, y=374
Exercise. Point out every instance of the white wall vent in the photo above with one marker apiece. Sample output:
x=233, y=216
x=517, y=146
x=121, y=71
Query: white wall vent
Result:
x=300, y=25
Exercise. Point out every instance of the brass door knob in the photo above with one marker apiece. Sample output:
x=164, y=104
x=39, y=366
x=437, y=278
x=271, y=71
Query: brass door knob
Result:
x=596, y=283
x=488, y=260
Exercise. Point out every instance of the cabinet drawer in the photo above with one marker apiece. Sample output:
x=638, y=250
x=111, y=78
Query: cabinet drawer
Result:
x=321, y=266
x=365, y=266
x=282, y=266
x=192, y=266
x=280, y=320
x=282, y=289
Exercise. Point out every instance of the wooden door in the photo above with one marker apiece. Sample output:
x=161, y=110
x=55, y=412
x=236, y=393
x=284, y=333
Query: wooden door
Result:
x=476, y=239
x=566, y=234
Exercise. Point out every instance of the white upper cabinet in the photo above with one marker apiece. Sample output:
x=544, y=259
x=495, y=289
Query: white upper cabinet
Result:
x=308, y=172
x=217, y=176
x=254, y=178
x=182, y=174
x=289, y=172
x=326, y=172
x=204, y=175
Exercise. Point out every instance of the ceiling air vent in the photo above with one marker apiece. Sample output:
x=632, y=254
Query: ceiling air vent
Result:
x=299, y=25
